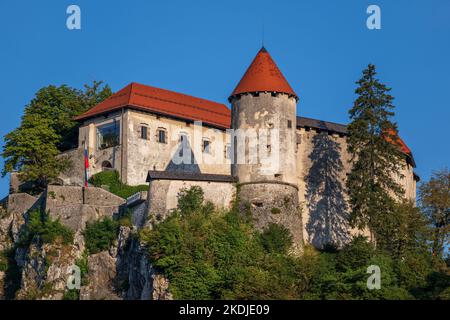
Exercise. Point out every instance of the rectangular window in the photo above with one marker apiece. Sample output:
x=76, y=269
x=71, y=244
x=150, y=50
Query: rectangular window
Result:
x=206, y=146
x=162, y=136
x=289, y=124
x=144, y=132
x=108, y=135
x=228, y=151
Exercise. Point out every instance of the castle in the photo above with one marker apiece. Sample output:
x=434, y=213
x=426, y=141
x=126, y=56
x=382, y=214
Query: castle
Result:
x=143, y=132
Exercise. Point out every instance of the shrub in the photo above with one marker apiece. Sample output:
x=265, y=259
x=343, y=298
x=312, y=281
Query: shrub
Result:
x=100, y=235
x=190, y=200
x=72, y=294
x=356, y=254
x=275, y=210
x=3, y=260
x=82, y=263
x=218, y=256
x=40, y=225
x=276, y=238
x=111, y=179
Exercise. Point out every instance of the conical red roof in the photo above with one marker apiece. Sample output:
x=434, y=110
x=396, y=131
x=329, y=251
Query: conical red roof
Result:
x=263, y=75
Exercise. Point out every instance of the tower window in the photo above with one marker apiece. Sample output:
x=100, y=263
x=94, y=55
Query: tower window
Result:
x=144, y=132
x=289, y=124
x=162, y=135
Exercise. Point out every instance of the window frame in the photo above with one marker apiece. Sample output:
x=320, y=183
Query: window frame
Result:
x=206, y=150
x=158, y=135
x=147, y=129
x=99, y=128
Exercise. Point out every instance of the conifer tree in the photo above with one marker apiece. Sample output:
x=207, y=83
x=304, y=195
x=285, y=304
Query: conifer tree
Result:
x=375, y=154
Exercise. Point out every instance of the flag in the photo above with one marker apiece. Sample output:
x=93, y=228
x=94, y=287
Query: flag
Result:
x=86, y=165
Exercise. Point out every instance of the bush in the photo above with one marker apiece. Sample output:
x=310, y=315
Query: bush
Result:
x=100, y=235
x=72, y=294
x=355, y=255
x=82, y=263
x=190, y=200
x=111, y=179
x=219, y=255
x=40, y=225
x=276, y=238
x=3, y=260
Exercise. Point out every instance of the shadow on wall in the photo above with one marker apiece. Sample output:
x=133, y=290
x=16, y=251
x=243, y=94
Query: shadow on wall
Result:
x=328, y=215
x=183, y=160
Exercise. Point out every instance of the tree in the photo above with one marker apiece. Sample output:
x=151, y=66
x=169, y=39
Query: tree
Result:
x=405, y=230
x=31, y=149
x=47, y=128
x=375, y=154
x=435, y=202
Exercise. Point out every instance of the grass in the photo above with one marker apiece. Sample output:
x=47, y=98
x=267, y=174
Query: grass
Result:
x=115, y=186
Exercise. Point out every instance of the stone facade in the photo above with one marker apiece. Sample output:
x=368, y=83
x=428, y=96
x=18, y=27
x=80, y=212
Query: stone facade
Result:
x=302, y=185
x=268, y=189
x=314, y=163
x=139, y=155
x=164, y=194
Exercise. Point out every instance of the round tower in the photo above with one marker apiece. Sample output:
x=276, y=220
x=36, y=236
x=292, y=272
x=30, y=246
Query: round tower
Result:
x=264, y=141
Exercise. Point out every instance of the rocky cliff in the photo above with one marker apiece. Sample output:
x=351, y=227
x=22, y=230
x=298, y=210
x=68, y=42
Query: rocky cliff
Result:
x=42, y=270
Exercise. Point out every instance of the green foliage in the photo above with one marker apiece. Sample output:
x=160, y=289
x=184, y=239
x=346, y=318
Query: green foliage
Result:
x=190, y=200
x=275, y=210
x=100, y=235
x=276, y=238
x=435, y=202
x=13, y=274
x=40, y=227
x=111, y=179
x=373, y=144
x=72, y=294
x=82, y=263
x=46, y=129
x=31, y=149
x=3, y=260
x=356, y=255
x=218, y=255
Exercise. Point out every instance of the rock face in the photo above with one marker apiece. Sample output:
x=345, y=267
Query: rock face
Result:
x=42, y=271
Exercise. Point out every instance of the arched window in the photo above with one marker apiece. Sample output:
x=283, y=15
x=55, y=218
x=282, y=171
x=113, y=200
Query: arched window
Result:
x=106, y=165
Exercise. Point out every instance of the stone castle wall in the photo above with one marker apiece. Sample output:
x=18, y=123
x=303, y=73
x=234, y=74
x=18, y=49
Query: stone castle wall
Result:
x=163, y=195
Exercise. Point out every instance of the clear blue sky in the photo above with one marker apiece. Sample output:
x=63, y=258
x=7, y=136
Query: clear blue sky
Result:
x=202, y=48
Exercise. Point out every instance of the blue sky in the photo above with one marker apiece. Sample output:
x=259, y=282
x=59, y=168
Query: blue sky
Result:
x=203, y=48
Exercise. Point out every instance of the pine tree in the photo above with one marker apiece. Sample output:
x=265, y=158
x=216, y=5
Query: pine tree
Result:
x=375, y=154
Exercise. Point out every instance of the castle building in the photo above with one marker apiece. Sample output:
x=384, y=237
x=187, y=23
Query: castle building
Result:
x=173, y=141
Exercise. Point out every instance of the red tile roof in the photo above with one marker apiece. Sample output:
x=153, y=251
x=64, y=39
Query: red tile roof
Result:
x=399, y=142
x=263, y=75
x=146, y=98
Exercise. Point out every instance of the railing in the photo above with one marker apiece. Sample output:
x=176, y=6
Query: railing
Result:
x=137, y=197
